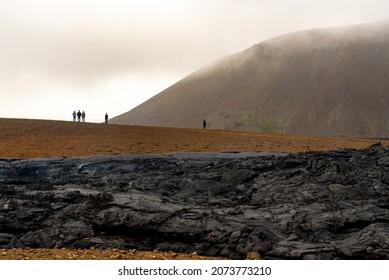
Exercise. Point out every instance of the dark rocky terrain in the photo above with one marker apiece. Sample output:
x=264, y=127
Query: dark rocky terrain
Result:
x=331, y=81
x=315, y=205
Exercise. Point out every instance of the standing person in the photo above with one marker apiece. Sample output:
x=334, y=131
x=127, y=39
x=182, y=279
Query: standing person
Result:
x=83, y=116
x=79, y=115
x=204, y=124
x=106, y=118
x=74, y=116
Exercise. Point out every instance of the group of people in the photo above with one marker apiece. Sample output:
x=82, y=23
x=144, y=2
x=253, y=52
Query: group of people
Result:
x=81, y=116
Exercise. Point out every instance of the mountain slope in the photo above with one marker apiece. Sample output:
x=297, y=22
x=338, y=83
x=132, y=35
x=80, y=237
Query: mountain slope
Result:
x=327, y=81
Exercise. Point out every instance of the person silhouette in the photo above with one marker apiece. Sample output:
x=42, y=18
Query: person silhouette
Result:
x=79, y=116
x=106, y=118
x=83, y=116
x=74, y=116
x=204, y=124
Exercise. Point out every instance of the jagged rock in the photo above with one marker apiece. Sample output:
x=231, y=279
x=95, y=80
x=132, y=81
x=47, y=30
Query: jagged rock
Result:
x=6, y=238
x=316, y=205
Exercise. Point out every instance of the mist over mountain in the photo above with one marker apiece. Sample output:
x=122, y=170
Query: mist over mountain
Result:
x=331, y=81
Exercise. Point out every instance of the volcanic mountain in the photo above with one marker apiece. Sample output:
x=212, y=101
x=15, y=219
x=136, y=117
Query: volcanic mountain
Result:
x=332, y=81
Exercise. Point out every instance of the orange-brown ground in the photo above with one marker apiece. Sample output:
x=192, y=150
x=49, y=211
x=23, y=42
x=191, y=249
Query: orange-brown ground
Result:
x=95, y=254
x=33, y=138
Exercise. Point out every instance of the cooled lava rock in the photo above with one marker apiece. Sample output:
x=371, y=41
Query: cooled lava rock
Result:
x=315, y=205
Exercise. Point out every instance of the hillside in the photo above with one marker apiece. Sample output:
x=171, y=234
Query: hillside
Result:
x=316, y=82
x=42, y=138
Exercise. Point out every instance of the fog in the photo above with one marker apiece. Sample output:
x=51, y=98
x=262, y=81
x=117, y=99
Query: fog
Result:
x=109, y=56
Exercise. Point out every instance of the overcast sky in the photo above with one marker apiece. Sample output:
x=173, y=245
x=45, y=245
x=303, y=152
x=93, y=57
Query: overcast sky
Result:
x=57, y=56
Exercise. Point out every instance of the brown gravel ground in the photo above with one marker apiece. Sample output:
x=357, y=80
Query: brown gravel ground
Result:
x=95, y=254
x=42, y=138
